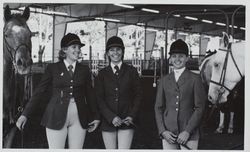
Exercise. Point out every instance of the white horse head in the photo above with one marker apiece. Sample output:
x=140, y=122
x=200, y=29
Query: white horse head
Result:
x=219, y=89
x=233, y=70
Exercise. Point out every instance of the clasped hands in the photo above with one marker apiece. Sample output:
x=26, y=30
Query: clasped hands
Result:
x=171, y=138
x=117, y=121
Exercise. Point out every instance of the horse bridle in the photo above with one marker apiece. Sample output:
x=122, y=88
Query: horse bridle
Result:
x=9, y=49
x=12, y=57
x=223, y=73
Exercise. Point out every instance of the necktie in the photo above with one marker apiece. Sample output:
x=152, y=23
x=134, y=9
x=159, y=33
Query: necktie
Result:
x=117, y=70
x=70, y=67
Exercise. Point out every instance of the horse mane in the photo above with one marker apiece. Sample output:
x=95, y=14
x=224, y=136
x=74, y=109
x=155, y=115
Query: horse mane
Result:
x=202, y=69
x=210, y=53
x=203, y=64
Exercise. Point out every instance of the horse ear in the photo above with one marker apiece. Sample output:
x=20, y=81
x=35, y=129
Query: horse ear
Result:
x=26, y=13
x=7, y=13
x=225, y=39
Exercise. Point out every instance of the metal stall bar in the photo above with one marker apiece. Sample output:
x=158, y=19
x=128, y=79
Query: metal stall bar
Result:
x=163, y=66
x=233, y=17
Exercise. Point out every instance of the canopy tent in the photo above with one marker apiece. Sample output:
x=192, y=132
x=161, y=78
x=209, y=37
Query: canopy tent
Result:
x=135, y=15
x=201, y=19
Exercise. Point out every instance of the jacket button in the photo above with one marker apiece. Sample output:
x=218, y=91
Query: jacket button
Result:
x=70, y=93
x=177, y=102
x=71, y=80
x=116, y=99
x=116, y=89
x=176, y=109
x=177, y=97
x=71, y=87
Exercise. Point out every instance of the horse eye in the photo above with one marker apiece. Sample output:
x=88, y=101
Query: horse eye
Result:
x=7, y=35
x=216, y=65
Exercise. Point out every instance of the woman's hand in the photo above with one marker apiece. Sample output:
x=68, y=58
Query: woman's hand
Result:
x=183, y=137
x=117, y=121
x=21, y=122
x=93, y=125
x=128, y=121
x=169, y=137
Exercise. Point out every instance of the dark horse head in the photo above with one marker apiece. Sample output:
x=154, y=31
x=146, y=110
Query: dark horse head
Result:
x=17, y=41
x=16, y=56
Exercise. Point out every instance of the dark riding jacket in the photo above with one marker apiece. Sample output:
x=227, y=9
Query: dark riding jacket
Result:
x=64, y=87
x=118, y=96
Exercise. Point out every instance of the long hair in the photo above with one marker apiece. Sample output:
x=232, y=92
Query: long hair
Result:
x=61, y=55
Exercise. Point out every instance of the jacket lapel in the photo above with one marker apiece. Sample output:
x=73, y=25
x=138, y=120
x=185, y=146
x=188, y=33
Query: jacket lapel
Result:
x=172, y=81
x=182, y=78
x=63, y=69
x=122, y=70
x=110, y=72
x=76, y=71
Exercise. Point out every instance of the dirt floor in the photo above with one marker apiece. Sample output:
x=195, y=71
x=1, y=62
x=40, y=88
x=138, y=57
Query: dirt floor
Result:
x=146, y=135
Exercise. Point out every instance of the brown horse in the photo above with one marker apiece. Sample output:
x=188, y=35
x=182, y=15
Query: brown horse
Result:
x=16, y=64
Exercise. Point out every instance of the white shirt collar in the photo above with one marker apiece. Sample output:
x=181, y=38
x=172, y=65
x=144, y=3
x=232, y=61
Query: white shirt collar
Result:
x=113, y=66
x=178, y=72
x=67, y=65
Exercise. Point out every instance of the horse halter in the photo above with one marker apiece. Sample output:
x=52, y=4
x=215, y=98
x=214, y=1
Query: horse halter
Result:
x=13, y=55
x=223, y=73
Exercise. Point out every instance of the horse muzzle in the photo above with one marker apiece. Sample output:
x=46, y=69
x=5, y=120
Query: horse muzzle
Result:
x=218, y=96
x=23, y=67
x=23, y=61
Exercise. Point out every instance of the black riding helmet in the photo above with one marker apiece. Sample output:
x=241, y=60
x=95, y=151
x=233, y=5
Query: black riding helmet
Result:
x=179, y=46
x=115, y=41
x=71, y=39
